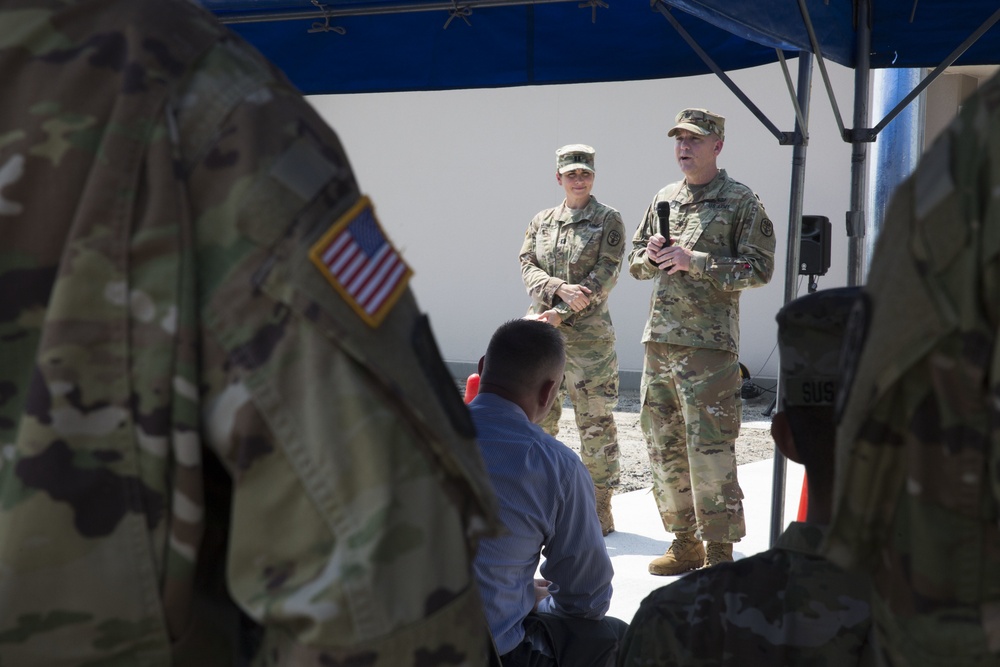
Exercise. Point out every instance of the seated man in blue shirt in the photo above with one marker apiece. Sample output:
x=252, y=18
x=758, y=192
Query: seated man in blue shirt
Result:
x=547, y=506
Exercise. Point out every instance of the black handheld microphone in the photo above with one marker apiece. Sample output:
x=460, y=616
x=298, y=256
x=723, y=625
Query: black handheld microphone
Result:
x=663, y=213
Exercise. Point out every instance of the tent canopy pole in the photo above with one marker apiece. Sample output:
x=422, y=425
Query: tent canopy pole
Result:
x=784, y=138
x=796, y=194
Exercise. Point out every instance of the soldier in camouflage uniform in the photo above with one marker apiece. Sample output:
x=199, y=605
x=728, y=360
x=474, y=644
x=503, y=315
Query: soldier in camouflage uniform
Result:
x=787, y=605
x=720, y=243
x=918, y=444
x=570, y=261
x=218, y=447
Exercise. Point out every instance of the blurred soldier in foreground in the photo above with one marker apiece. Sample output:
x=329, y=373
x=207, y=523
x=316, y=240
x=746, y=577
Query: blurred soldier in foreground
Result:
x=219, y=445
x=703, y=241
x=918, y=445
x=787, y=605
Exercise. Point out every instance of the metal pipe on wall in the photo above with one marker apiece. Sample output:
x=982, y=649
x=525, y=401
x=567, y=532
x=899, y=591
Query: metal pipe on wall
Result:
x=897, y=151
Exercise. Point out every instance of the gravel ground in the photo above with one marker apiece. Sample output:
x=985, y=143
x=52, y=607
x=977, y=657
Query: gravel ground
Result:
x=754, y=442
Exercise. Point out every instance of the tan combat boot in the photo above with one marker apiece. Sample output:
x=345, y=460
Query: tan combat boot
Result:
x=686, y=553
x=603, y=495
x=718, y=552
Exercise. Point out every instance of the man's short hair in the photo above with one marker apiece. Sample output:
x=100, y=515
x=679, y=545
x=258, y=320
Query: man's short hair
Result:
x=521, y=352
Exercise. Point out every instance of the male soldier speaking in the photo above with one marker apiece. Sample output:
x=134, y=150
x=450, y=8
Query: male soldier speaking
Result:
x=719, y=242
x=226, y=437
x=787, y=605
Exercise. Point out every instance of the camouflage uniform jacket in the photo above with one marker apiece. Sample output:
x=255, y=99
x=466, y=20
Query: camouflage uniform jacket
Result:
x=733, y=242
x=784, y=606
x=579, y=247
x=207, y=455
x=918, y=445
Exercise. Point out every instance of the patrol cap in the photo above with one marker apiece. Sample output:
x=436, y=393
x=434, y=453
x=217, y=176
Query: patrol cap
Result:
x=699, y=121
x=811, y=331
x=575, y=156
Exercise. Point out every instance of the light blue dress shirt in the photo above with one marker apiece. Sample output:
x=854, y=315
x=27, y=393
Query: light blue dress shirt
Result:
x=546, y=503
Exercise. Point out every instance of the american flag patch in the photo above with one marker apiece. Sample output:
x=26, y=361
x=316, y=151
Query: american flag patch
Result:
x=358, y=260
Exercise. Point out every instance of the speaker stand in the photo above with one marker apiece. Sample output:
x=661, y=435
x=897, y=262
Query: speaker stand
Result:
x=770, y=407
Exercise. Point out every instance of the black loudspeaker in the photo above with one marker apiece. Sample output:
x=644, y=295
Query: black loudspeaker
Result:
x=814, y=248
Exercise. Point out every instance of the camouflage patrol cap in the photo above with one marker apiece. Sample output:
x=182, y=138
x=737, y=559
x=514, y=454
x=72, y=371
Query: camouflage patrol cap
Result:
x=575, y=156
x=699, y=121
x=810, y=335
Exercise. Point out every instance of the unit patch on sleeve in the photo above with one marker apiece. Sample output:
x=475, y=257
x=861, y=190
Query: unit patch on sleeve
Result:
x=355, y=256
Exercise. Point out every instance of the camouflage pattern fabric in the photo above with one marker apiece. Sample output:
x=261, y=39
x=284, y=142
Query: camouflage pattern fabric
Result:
x=691, y=314
x=810, y=338
x=692, y=451
x=918, y=452
x=591, y=381
x=581, y=247
x=209, y=458
x=784, y=606
x=733, y=242
x=699, y=121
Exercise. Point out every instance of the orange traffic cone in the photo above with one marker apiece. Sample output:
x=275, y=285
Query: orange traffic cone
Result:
x=803, y=501
x=471, y=387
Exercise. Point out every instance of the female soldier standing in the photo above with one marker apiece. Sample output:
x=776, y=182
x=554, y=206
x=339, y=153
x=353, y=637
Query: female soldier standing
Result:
x=569, y=263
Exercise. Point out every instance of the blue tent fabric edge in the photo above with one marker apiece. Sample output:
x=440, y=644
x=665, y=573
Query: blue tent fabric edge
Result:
x=526, y=44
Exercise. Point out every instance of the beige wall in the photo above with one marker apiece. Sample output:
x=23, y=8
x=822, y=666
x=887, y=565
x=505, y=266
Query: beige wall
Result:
x=946, y=95
x=457, y=175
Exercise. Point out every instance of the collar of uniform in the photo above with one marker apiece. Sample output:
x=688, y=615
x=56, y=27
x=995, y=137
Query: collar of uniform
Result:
x=568, y=214
x=802, y=537
x=709, y=191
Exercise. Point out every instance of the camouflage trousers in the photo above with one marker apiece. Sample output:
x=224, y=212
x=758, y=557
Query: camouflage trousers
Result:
x=690, y=416
x=591, y=381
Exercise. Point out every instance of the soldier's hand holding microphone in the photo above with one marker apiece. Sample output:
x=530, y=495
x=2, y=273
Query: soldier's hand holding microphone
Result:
x=660, y=249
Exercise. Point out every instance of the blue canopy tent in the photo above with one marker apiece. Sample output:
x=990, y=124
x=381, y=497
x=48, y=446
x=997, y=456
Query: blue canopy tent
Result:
x=363, y=46
x=348, y=46
x=345, y=46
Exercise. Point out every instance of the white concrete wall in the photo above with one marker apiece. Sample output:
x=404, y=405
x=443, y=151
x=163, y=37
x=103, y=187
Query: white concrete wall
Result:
x=457, y=175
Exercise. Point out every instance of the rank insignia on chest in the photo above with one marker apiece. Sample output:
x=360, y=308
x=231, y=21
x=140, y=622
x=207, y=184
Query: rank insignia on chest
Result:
x=355, y=257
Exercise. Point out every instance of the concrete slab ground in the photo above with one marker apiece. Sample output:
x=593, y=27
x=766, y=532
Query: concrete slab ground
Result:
x=639, y=536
